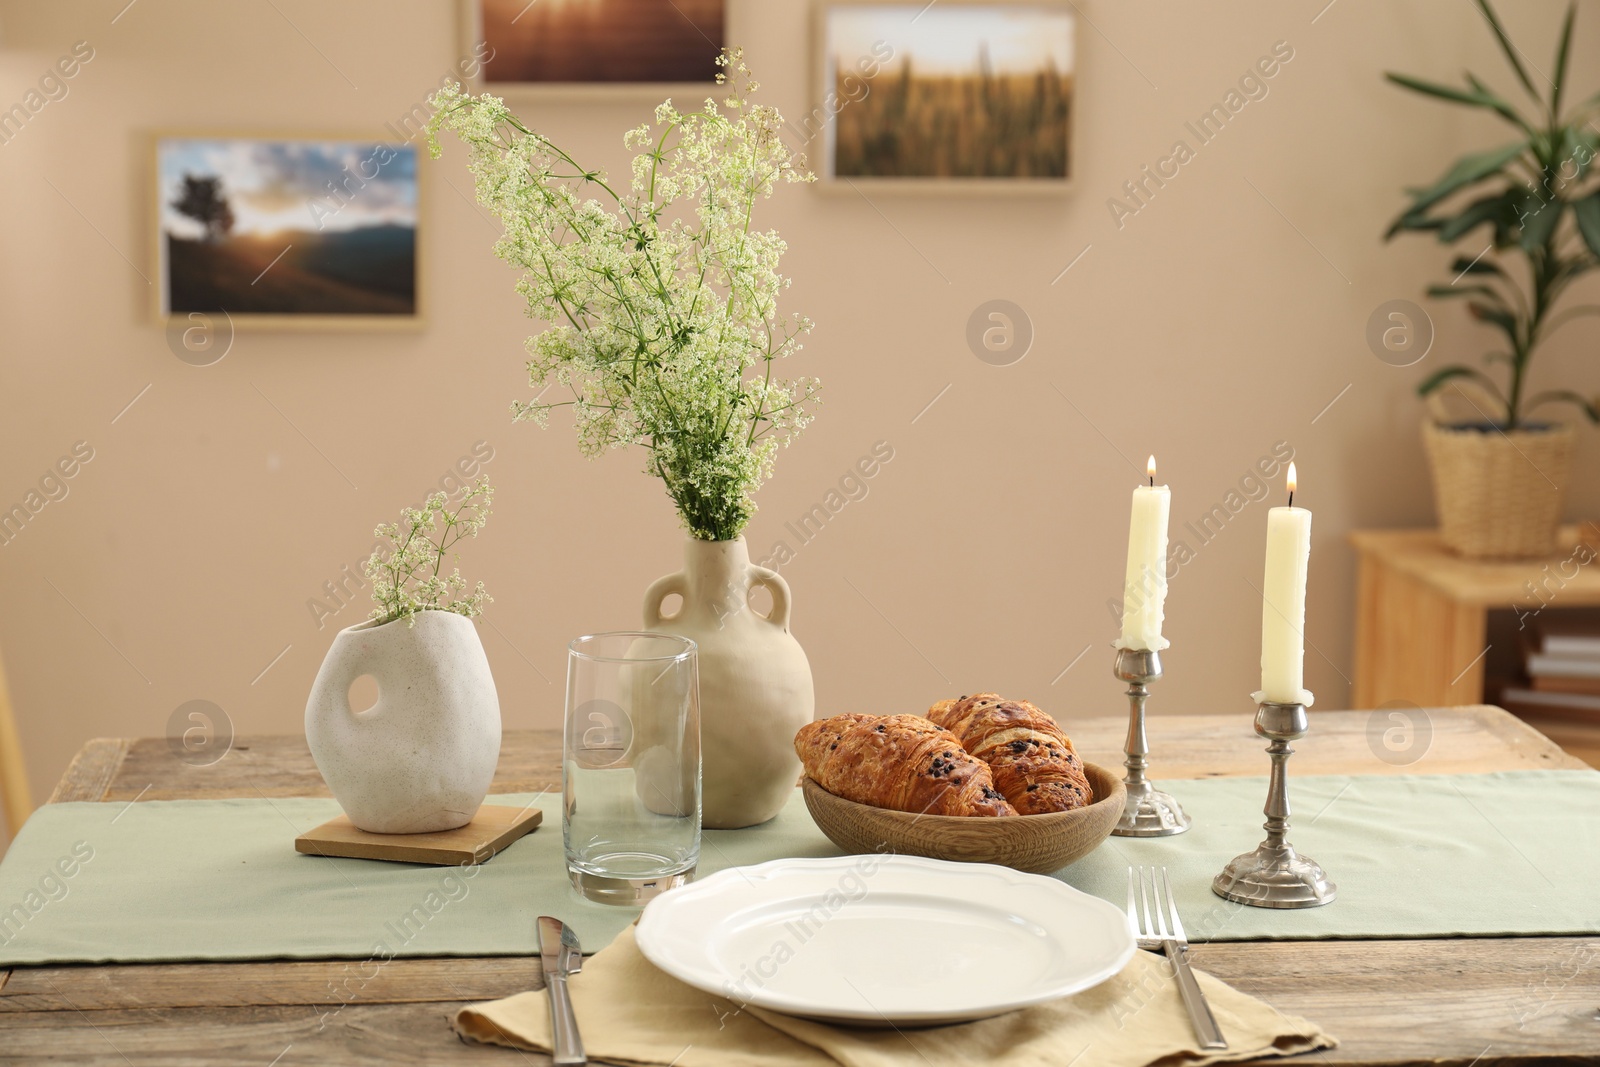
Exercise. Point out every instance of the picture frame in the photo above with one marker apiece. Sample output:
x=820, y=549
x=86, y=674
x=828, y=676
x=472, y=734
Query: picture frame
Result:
x=287, y=230
x=669, y=25
x=1028, y=57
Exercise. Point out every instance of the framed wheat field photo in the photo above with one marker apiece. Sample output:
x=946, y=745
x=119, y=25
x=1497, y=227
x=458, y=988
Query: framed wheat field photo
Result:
x=969, y=94
x=594, y=45
x=292, y=231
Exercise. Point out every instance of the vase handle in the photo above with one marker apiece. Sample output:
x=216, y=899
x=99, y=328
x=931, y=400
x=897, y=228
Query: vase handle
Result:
x=347, y=660
x=657, y=594
x=779, y=589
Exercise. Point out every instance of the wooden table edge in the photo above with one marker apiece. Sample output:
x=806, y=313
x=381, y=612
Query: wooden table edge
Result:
x=91, y=771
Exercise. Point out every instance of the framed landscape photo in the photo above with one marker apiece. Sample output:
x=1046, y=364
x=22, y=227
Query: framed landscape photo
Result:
x=295, y=231
x=596, y=45
x=959, y=95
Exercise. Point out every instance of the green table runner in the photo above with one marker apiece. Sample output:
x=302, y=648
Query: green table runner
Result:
x=1414, y=856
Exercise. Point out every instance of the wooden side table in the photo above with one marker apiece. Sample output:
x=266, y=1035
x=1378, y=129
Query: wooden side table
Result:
x=1422, y=611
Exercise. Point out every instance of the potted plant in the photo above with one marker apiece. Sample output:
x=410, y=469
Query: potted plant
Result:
x=421, y=758
x=1501, y=475
x=664, y=333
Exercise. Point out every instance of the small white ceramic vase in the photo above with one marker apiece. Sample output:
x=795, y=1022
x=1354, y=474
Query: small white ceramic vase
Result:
x=421, y=758
x=755, y=681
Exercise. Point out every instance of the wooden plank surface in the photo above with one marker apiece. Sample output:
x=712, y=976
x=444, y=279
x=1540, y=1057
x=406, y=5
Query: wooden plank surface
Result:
x=1578, y=737
x=530, y=761
x=318, y=983
x=1473, y=1001
x=89, y=774
x=1482, y=1001
x=1464, y=740
x=1478, y=1001
x=1491, y=583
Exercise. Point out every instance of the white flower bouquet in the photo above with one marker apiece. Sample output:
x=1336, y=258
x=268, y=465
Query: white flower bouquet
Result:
x=406, y=579
x=661, y=300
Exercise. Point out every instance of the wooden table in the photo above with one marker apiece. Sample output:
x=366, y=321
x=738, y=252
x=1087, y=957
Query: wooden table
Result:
x=1478, y=1001
x=1422, y=611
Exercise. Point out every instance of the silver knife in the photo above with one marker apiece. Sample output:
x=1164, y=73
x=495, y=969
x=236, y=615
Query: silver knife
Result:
x=559, y=956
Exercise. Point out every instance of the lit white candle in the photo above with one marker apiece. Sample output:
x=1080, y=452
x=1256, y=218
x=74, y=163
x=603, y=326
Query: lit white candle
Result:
x=1144, y=593
x=1283, y=607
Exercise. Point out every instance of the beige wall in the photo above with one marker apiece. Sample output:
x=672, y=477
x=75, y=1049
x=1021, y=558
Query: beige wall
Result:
x=1219, y=320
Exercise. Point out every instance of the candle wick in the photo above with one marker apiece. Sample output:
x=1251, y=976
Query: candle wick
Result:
x=1152, y=481
x=1291, y=498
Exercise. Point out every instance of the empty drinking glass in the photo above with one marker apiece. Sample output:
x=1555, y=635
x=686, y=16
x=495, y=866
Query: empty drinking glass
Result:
x=630, y=771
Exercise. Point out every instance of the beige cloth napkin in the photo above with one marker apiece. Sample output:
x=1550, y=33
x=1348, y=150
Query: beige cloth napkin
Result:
x=631, y=1012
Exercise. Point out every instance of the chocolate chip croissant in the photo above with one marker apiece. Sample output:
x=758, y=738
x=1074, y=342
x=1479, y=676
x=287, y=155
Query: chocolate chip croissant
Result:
x=900, y=762
x=1032, y=761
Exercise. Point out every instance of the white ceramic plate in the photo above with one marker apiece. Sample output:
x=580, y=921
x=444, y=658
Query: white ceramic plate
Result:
x=874, y=940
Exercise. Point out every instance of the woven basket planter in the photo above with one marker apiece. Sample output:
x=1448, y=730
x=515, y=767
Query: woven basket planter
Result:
x=1499, y=495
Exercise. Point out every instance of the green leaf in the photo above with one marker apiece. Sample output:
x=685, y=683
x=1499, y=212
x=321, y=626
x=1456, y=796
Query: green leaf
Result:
x=1566, y=396
x=1582, y=109
x=1540, y=222
x=1466, y=171
x=1507, y=47
x=1555, y=322
x=1457, y=96
x=1412, y=220
x=1505, y=320
x=1492, y=100
x=1563, y=50
x=1442, y=292
x=1587, y=212
x=1582, y=142
x=1577, y=149
x=1448, y=374
x=1493, y=209
x=1463, y=265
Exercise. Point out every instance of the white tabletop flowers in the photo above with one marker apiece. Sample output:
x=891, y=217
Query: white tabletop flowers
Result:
x=662, y=299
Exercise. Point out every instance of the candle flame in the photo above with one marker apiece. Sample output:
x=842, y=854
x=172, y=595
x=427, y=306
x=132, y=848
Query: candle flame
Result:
x=1293, y=480
x=1150, y=468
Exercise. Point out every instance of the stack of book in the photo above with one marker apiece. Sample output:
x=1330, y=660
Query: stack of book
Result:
x=1562, y=661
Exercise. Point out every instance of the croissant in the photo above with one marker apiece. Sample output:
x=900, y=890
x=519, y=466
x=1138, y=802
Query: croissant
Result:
x=901, y=762
x=1032, y=761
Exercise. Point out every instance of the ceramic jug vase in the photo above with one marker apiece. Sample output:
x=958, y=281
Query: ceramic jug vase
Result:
x=422, y=757
x=755, y=681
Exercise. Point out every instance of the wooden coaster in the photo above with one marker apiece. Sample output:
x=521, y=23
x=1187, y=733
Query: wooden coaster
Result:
x=491, y=829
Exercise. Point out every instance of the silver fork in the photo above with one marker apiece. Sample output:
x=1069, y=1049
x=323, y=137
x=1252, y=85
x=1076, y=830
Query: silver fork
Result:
x=1162, y=929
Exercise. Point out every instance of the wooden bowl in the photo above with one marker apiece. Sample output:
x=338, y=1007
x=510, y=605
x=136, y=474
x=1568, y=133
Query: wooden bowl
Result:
x=1040, y=844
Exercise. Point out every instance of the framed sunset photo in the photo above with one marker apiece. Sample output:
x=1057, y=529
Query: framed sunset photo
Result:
x=975, y=94
x=287, y=231
x=594, y=45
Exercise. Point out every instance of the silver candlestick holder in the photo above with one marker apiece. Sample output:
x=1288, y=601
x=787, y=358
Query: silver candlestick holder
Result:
x=1149, y=812
x=1275, y=875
